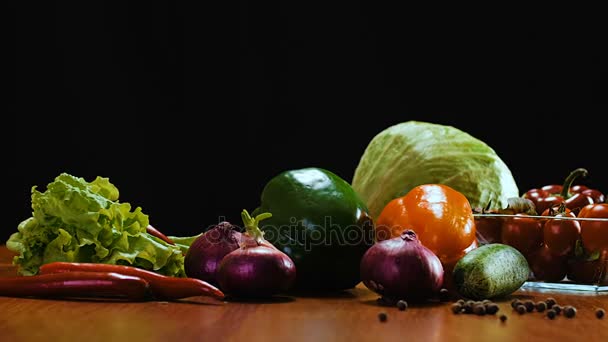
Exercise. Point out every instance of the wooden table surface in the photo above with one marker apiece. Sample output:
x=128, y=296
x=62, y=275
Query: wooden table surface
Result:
x=348, y=316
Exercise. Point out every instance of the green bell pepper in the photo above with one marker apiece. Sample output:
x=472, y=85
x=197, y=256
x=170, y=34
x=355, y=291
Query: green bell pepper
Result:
x=321, y=223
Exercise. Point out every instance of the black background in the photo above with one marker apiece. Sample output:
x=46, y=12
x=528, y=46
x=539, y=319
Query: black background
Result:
x=190, y=111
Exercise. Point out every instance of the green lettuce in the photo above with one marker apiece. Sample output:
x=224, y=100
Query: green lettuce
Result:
x=413, y=153
x=77, y=221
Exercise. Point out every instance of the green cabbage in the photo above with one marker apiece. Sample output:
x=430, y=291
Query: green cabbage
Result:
x=412, y=153
x=77, y=221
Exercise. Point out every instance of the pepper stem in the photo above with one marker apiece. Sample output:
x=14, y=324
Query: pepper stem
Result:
x=251, y=224
x=570, y=179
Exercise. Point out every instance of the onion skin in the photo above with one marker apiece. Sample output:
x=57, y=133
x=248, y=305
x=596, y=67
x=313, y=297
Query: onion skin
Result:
x=402, y=268
x=258, y=271
x=207, y=251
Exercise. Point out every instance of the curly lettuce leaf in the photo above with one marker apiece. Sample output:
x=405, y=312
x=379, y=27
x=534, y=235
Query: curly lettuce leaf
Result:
x=77, y=221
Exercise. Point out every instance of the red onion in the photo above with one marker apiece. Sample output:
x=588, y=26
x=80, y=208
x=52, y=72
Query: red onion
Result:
x=207, y=251
x=402, y=268
x=256, y=269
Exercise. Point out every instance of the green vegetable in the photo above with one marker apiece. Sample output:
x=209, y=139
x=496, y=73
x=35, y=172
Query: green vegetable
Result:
x=77, y=221
x=412, y=153
x=489, y=271
x=184, y=242
x=320, y=223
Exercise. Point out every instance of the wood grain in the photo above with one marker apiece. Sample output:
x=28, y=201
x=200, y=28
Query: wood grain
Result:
x=346, y=316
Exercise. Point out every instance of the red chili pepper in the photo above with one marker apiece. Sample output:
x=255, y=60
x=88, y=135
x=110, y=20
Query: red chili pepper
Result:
x=76, y=285
x=155, y=232
x=575, y=197
x=162, y=287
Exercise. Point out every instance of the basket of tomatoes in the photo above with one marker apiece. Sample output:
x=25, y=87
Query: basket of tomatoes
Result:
x=562, y=230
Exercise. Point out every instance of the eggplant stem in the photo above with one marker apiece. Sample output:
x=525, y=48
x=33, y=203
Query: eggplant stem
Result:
x=251, y=225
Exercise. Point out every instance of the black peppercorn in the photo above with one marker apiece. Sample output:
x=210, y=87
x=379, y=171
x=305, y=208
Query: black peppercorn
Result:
x=503, y=318
x=444, y=295
x=521, y=309
x=551, y=314
x=479, y=309
x=529, y=305
x=456, y=308
x=460, y=301
x=468, y=307
x=541, y=306
x=382, y=316
x=600, y=313
x=569, y=311
x=384, y=301
x=515, y=303
x=557, y=309
x=402, y=305
x=491, y=308
x=550, y=302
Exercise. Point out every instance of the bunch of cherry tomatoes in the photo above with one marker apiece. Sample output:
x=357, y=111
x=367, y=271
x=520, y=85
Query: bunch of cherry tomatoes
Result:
x=571, y=242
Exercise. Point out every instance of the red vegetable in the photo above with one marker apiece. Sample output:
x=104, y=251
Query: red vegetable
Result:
x=522, y=232
x=560, y=235
x=207, y=251
x=594, y=233
x=575, y=197
x=162, y=287
x=76, y=285
x=256, y=269
x=402, y=268
x=155, y=232
x=547, y=266
x=583, y=271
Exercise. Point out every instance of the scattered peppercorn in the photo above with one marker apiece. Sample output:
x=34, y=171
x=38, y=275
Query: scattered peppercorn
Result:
x=515, y=303
x=550, y=302
x=402, y=305
x=456, y=308
x=529, y=305
x=557, y=309
x=502, y=317
x=444, y=295
x=491, y=308
x=541, y=306
x=382, y=316
x=569, y=311
x=460, y=301
x=384, y=301
x=468, y=307
x=521, y=309
x=600, y=313
x=551, y=314
x=486, y=301
x=479, y=310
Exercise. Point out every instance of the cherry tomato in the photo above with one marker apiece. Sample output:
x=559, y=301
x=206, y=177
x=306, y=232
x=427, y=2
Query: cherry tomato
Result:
x=547, y=266
x=441, y=217
x=488, y=229
x=523, y=233
x=560, y=236
x=588, y=272
x=594, y=234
